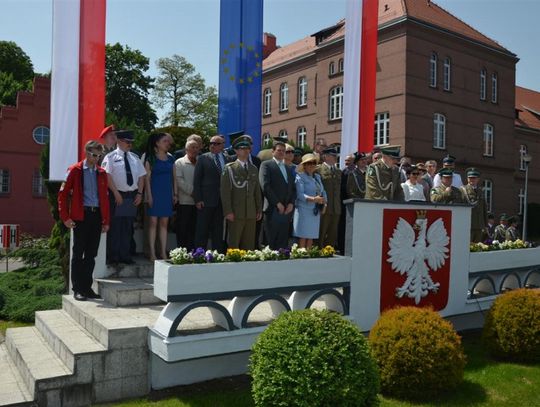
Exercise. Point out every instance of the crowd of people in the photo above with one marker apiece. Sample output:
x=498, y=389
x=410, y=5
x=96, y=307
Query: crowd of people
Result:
x=230, y=198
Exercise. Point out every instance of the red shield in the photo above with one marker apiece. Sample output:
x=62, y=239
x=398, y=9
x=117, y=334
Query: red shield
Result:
x=392, y=280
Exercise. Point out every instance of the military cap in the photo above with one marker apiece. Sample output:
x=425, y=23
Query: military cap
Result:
x=446, y=172
x=280, y=139
x=490, y=216
x=473, y=172
x=449, y=159
x=106, y=130
x=503, y=217
x=357, y=156
x=513, y=219
x=125, y=135
x=298, y=151
x=330, y=151
x=392, y=151
x=243, y=141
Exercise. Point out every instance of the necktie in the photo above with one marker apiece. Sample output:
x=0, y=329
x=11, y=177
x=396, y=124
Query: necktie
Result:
x=129, y=175
x=283, y=171
x=218, y=162
x=246, y=168
x=332, y=170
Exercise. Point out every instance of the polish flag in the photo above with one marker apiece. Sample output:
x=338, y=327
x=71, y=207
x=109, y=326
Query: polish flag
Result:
x=78, y=81
x=360, y=76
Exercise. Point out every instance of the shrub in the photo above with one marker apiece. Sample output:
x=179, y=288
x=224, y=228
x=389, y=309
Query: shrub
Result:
x=313, y=358
x=418, y=353
x=512, y=327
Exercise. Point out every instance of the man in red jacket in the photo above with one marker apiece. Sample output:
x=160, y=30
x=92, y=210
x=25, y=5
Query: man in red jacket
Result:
x=84, y=207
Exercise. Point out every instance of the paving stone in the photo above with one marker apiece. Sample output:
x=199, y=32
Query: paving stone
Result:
x=13, y=389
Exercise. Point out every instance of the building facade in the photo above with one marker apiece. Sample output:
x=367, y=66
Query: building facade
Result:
x=442, y=88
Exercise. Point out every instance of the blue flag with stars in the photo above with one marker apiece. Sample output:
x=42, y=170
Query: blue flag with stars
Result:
x=240, y=68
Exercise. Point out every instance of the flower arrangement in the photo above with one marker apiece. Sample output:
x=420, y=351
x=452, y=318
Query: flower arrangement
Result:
x=496, y=245
x=199, y=256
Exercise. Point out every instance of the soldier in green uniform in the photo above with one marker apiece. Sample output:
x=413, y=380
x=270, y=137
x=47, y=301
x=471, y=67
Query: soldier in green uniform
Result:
x=331, y=179
x=512, y=231
x=356, y=179
x=474, y=195
x=382, y=179
x=500, y=229
x=241, y=196
x=446, y=193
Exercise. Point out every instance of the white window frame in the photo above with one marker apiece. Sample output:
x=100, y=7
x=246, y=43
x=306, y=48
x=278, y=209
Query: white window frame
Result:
x=302, y=91
x=447, y=74
x=266, y=138
x=521, y=197
x=335, y=103
x=331, y=68
x=301, y=136
x=38, y=184
x=522, y=153
x=487, y=186
x=494, y=88
x=382, y=129
x=488, y=138
x=483, y=84
x=340, y=65
x=267, y=102
x=41, y=135
x=5, y=181
x=439, y=131
x=283, y=97
x=283, y=133
x=433, y=60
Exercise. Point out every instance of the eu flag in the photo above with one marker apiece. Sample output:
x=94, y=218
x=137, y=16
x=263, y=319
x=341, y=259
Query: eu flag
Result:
x=240, y=68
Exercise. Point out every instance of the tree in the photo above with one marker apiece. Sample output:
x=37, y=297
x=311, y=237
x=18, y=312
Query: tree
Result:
x=183, y=91
x=127, y=86
x=16, y=72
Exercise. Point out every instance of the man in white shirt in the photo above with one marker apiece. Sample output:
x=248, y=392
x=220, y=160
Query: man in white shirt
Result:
x=449, y=162
x=126, y=182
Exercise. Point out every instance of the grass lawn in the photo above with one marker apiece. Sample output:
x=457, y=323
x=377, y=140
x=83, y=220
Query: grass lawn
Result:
x=10, y=324
x=487, y=383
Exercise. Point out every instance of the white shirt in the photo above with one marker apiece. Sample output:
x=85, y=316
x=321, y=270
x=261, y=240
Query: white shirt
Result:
x=413, y=192
x=114, y=165
x=456, y=180
x=184, y=171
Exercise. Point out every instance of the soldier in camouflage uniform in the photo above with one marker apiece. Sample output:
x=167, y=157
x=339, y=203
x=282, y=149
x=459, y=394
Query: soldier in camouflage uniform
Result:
x=241, y=197
x=446, y=193
x=356, y=179
x=474, y=195
x=500, y=229
x=331, y=179
x=382, y=179
x=512, y=231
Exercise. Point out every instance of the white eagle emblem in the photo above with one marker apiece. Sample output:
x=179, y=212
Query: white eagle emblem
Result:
x=407, y=255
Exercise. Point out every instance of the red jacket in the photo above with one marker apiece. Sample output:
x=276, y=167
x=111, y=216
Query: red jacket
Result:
x=70, y=197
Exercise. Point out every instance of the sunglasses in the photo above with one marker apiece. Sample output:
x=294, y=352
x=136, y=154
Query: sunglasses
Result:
x=415, y=173
x=95, y=155
x=215, y=143
x=289, y=152
x=126, y=141
x=310, y=163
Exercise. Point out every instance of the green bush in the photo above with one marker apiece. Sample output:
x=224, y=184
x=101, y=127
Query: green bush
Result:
x=418, y=353
x=512, y=327
x=313, y=358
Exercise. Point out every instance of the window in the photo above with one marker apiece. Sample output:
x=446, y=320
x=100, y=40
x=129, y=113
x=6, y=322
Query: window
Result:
x=301, y=134
x=382, y=129
x=340, y=65
x=41, y=135
x=283, y=133
x=483, y=84
x=521, y=201
x=38, y=184
x=283, y=97
x=522, y=154
x=494, y=88
x=267, y=101
x=266, y=138
x=336, y=103
x=487, y=185
x=4, y=182
x=447, y=74
x=488, y=140
x=302, y=91
x=433, y=70
x=439, y=131
x=331, y=68
x=338, y=155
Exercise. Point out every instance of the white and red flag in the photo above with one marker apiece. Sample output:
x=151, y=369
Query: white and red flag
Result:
x=78, y=80
x=360, y=76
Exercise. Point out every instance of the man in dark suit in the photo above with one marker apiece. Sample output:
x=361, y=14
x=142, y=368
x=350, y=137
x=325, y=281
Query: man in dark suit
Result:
x=277, y=182
x=206, y=193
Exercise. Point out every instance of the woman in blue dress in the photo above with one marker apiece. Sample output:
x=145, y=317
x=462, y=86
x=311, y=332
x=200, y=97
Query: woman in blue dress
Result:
x=310, y=202
x=161, y=190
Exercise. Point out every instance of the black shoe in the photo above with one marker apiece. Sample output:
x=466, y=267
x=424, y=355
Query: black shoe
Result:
x=93, y=295
x=79, y=296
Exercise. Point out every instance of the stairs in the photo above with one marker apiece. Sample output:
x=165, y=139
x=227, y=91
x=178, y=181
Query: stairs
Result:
x=87, y=352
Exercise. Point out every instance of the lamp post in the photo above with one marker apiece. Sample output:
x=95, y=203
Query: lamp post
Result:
x=526, y=159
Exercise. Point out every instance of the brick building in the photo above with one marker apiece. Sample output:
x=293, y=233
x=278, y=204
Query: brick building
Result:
x=24, y=130
x=442, y=88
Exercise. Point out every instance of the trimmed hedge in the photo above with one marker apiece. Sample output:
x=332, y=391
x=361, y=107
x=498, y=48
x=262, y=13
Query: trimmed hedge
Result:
x=313, y=358
x=418, y=353
x=512, y=328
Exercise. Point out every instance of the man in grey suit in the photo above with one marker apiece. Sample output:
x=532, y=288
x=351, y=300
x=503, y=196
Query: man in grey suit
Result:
x=206, y=194
x=277, y=182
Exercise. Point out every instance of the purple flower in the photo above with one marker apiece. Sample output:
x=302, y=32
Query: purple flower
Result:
x=284, y=253
x=209, y=257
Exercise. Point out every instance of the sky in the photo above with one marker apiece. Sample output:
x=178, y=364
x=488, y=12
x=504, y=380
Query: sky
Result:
x=162, y=28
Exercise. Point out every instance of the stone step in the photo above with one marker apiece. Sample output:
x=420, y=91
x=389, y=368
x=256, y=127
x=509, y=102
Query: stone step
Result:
x=142, y=268
x=122, y=292
x=70, y=341
x=13, y=391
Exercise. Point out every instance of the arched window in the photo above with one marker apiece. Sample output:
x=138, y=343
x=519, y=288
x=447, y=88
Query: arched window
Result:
x=483, y=90
x=494, y=88
x=433, y=70
x=302, y=91
x=488, y=140
x=266, y=138
x=447, y=74
x=331, y=68
x=283, y=97
x=301, y=135
x=340, y=65
x=335, y=106
x=267, y=101
x=41, y=134
x=487, y=185
x=283, y=133
x=439, y=131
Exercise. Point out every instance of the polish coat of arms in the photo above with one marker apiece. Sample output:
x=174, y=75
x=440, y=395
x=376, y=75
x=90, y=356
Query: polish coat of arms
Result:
x=416, y=250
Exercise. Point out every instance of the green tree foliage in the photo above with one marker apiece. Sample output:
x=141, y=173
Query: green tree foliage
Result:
x=16, y=72
x=183, y=92
x=127, y=86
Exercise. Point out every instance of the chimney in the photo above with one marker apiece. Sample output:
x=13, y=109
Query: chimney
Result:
x=269, y=44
